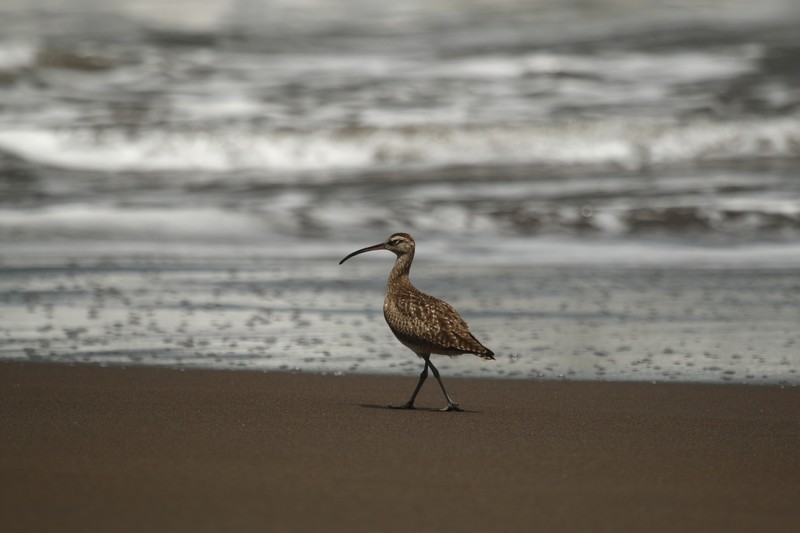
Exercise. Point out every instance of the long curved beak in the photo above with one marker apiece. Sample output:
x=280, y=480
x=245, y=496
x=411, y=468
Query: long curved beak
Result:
x=381, y=246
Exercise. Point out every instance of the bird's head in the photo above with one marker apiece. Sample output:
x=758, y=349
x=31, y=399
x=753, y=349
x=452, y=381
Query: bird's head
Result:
x=399, y=244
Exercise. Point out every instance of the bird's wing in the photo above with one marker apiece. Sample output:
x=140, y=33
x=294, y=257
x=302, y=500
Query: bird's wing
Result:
x=418, y=316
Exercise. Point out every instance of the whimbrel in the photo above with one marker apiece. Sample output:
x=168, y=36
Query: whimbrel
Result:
x=421, y=322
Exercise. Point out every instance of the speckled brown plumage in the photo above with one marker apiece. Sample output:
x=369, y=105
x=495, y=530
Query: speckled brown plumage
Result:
x=421, y=322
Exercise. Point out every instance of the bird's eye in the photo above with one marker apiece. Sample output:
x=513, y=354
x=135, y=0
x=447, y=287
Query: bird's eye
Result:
x=394, y=242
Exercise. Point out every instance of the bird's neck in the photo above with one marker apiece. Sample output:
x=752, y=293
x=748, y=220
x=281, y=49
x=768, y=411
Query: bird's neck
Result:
x=401, y=267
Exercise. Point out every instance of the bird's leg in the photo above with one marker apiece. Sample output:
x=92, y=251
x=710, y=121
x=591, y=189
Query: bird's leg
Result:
x=422, y=377
x=451, y=405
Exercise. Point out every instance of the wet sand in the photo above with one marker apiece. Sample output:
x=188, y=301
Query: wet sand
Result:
x=232, y=309
x=86, y=448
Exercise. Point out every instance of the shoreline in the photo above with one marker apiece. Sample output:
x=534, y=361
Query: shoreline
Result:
x=595, y=323
x=412, y=375
x=97, y=448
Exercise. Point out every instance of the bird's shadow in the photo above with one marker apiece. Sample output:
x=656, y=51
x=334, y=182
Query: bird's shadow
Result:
x=422, y=409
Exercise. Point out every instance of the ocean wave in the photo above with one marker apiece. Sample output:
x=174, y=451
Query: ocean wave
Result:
x=617, y=143
x=15, y=55
x=293, y=215
x=670, y=67
x=111, y=222
x=452, y=249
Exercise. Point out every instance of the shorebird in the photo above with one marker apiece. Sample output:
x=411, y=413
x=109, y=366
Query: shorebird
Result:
x=424, y=324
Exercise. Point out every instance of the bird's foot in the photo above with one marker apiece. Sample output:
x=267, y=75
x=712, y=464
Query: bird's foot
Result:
x=451, y=407
x=407, y=405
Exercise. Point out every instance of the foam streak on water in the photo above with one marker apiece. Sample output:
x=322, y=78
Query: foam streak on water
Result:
x=623, y=143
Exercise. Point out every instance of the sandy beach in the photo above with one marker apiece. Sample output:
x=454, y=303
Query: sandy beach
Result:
x=87, y=448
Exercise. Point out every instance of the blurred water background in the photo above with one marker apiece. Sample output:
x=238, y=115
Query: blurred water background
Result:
x=605, y=189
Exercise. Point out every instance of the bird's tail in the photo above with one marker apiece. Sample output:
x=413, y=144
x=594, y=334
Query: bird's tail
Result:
x=488, y=354
x=484, y=352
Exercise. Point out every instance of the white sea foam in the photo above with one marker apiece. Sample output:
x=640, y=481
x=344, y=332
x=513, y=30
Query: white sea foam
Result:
x=114, y=151
x=16, y=54
x=508, y=251
x=610, y=252
x=671, y=67
x=82, y=221
x=629, y=144
x=209, y=230
x=216, y=106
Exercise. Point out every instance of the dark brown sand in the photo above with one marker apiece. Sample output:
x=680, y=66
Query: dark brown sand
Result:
x=113, y=449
